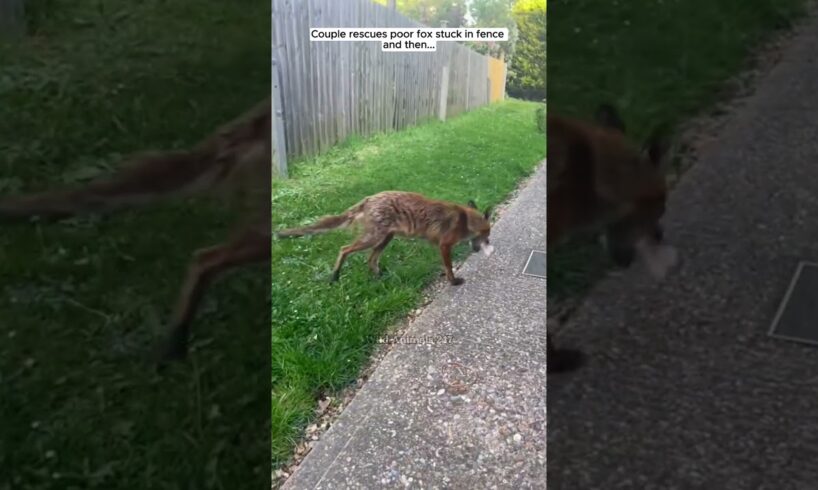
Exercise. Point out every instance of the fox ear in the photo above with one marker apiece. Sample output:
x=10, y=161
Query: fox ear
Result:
x=606, y=115
x=472, y=204
x=487, y=213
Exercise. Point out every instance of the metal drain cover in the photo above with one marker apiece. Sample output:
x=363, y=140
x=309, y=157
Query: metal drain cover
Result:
x=535, y=266
x=797, y=317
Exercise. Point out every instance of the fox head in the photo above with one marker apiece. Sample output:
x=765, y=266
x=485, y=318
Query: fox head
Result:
x=635, y=228
x=480, y=229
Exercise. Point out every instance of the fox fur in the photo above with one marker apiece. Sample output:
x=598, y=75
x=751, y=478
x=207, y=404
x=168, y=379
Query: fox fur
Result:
x=599, y=181
x=234, y=162
x=387, y=214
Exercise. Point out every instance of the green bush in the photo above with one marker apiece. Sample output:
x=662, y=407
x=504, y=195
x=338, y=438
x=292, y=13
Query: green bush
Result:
x=539, y=115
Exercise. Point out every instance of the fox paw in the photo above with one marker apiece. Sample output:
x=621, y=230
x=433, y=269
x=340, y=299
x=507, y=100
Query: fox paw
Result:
x=169, y=352
x=564, y=360
x=173, y=347
x=457, y=281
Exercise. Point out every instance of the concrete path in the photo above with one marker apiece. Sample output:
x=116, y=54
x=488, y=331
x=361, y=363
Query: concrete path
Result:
x=684, y=389
x=464, y=414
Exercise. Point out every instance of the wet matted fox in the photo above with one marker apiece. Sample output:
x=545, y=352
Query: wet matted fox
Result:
x=599, y=180
x=384, y=215
x=236, y=159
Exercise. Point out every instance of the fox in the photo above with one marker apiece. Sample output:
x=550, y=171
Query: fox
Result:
x=387, y=214
x=599, y=180
x=233, y=162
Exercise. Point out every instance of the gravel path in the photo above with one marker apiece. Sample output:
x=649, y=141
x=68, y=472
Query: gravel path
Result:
x=467, y=411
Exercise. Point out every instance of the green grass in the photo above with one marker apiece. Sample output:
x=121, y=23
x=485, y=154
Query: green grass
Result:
x=82, y=303
x=539, y=117
x=659, y=62
x=323, y=333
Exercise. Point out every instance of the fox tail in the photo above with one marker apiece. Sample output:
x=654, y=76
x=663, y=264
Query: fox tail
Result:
x=145, y=179
x=325, y=224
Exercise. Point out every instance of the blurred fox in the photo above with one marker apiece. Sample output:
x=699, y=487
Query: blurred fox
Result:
x=386, y=214
x=235, y=161
x=598, y=180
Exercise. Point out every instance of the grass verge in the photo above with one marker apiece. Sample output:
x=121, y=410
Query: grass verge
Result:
x=323, y=333
x=82, y=302
x=659, y=63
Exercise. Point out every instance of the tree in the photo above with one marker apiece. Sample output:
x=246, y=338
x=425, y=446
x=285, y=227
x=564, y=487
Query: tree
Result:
x=432, y=12
x=460, y=13
x=494, y=13
x=527, y=75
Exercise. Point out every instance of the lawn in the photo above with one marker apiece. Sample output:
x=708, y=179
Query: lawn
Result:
x=659, y=62
x=84, y=301
x=324, y=333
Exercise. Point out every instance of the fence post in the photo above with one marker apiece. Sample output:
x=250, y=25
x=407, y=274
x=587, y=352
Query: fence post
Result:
x=279, y=141
x=488, y=90
x=444, y=93
x=12, y=19
x=468, y=81
x=503, y=84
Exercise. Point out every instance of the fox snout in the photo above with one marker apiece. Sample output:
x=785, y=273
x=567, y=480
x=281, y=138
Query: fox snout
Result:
x=658, y=257
x=482, y=246
x=621, y=247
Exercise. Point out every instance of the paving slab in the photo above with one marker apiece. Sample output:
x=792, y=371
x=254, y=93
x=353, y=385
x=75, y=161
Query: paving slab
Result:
x=467, y=411
x=684, y=387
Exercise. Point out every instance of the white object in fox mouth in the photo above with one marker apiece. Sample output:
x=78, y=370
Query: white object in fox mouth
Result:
x=487, y=250
x=658, y=259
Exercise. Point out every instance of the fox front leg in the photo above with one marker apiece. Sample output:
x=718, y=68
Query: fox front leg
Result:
x=446, y=255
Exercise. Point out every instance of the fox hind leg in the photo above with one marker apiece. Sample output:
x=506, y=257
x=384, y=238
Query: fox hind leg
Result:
x=366, y=241
x=207, y=264
x=375, y=256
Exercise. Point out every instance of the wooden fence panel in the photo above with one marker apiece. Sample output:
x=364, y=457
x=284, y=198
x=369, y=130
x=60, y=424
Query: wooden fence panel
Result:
x=332, y=90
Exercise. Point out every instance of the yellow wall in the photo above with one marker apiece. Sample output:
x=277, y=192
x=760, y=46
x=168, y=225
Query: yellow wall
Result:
x=497, y=75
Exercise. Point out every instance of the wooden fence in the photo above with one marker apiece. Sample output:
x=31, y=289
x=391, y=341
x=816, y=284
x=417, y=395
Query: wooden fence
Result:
x=328, y=91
